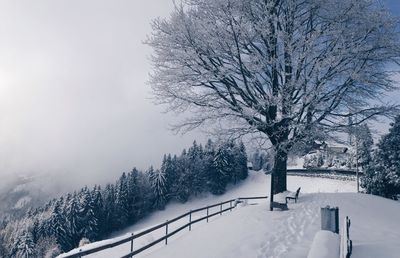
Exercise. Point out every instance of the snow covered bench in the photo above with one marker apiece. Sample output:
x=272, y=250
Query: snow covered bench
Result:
x=293, y=196
x=325, y=245
x=281, y=199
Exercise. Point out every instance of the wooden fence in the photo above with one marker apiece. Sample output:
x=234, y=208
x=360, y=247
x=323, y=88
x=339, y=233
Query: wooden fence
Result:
x=223, y=207
x=347, y=172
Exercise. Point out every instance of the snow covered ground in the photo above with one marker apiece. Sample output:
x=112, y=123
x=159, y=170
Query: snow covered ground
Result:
x=254, y=231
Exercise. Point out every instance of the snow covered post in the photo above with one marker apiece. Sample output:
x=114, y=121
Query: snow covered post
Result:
x=330, y=219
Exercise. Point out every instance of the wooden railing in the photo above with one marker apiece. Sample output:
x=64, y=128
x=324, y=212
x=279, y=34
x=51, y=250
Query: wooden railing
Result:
x=232, y=204
x=348, y=172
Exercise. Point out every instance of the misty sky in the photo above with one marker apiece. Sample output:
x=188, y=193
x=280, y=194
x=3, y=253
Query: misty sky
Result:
x=73, y=94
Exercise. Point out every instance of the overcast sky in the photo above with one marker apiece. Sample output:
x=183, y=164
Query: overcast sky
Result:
x=73, y=93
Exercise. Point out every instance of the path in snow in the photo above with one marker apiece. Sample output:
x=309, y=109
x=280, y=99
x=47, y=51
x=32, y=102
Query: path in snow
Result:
x=254, y=232
x=289, y=230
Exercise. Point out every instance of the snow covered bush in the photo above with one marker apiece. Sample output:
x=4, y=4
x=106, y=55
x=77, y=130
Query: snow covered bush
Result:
x=261, y=160
x=313, y=160
x=84, y=241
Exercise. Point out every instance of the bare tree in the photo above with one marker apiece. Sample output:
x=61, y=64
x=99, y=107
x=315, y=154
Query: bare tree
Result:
x=285, y=68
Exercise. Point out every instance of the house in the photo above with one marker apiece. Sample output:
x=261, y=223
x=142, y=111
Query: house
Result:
x=328, y=155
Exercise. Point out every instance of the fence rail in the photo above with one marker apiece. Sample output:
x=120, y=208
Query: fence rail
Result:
x=347, y=172
x=232, y=204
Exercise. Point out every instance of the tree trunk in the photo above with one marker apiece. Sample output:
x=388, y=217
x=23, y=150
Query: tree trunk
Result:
x=280, y=169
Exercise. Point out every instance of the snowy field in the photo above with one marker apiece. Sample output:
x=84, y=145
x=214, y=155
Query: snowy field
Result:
x=254, y=231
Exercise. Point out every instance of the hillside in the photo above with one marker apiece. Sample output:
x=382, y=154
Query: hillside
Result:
x=253, y=231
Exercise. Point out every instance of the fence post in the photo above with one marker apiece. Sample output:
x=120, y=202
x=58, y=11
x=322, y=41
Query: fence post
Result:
x=207, y=214
x=190, y=220
x=330, y=219
x=166, y=233
x=132, y=243
x=220, y=209
x=230, y=205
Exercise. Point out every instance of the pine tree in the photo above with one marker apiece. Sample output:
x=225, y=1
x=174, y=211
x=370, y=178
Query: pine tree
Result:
x=109, y=208
x=25, y=245
x=195, y=169
x=90, y=215
x=145, y=200
x=133, y=195
x=58, y=227
x=165, y=167
x=168, y=168
x=383, y=175
x=184, y=180
x=158, y=184
x=209, y=153
x=122, y=205
x=98, y=209
x=219, y=171
x=241, y=162
x=73, y=219
x=364, y=144
x=35, y=229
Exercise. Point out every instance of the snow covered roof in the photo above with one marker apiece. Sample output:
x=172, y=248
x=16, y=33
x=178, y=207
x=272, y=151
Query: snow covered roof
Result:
x=336, y=144
x=335, y=147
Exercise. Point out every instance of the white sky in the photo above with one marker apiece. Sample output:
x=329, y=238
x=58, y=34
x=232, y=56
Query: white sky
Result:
x=73, y=92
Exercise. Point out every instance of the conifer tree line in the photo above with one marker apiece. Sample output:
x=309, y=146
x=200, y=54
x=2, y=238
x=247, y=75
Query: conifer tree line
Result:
x=93, y=213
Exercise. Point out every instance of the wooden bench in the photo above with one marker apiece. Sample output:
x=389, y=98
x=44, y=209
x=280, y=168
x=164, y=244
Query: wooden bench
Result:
x=283, y=205
x=293, y=196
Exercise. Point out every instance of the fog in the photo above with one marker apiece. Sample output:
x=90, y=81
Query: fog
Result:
x=73, y=95
x=74, y=103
